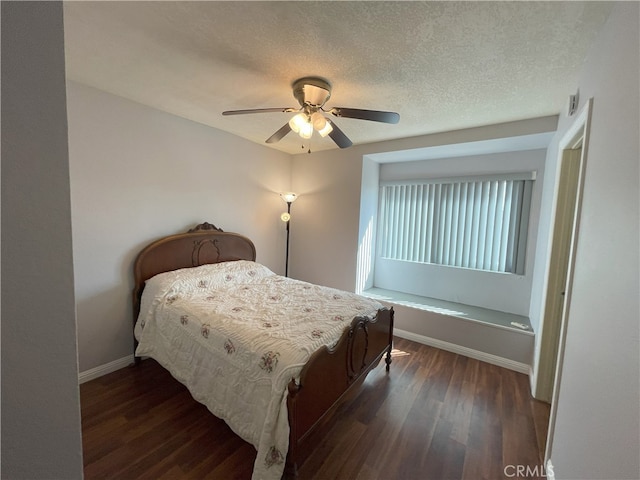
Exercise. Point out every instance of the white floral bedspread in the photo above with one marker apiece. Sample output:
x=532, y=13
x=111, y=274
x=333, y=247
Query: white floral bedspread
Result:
x=235, y=334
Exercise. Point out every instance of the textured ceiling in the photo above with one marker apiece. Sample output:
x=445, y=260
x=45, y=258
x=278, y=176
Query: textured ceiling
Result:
x=441, y=65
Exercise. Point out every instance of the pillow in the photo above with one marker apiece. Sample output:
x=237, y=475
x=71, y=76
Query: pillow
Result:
x=213, y=275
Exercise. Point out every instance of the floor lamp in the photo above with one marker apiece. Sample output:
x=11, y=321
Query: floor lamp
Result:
x=289, y=198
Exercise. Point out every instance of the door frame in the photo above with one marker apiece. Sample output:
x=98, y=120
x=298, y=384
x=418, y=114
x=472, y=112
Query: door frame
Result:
x=577, y=136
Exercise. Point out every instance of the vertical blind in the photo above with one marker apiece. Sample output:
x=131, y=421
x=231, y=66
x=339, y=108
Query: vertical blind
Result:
x=471, y=223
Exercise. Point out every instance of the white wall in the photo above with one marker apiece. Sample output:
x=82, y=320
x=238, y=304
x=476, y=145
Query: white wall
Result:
x=598, y=412
x=41, y=435
x=138, y=174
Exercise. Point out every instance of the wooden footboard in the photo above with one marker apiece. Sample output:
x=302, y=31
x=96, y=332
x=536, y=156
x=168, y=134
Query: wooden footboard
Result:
x=329, y=374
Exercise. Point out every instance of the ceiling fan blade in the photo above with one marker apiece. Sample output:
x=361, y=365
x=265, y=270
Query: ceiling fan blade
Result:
x=339, y=137
x=260, y=110
x=373, y=115
x=279, y=135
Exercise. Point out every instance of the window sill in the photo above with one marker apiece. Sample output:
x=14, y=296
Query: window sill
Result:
x=459, y=310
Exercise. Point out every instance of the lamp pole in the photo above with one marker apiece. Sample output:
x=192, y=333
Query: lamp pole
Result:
x=286, y=264
x=286, y=217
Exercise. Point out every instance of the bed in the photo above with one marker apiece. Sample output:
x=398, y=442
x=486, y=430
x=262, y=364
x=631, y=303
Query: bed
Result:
x=199, y=297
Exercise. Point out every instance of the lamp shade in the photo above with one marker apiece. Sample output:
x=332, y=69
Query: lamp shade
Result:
x=297, y=122
x=326, y=130
x=321, y=124
x=306, y=130
x=288, y=196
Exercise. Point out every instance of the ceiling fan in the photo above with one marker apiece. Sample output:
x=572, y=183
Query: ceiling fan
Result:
x=312, y=93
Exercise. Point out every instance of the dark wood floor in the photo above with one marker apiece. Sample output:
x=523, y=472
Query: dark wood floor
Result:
x=436, y=415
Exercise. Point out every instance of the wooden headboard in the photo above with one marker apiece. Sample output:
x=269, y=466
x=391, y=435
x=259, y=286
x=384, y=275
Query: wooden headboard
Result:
x=203, y=244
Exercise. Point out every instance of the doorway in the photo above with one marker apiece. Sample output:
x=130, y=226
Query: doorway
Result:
x=572, y=152
x=564, y=229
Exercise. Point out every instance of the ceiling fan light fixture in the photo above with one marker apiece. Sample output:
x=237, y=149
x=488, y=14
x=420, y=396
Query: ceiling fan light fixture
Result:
x=297, y=122
x=306, y=130
x=321, y=124
x=326, y=130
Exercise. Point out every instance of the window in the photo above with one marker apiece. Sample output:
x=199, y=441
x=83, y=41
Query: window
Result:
x=479, y=222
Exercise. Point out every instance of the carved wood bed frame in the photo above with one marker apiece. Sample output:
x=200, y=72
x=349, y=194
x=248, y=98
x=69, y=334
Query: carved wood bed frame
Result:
x=328, y=374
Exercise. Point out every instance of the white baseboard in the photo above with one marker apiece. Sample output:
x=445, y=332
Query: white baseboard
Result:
x=465, y=351
x=101, y=370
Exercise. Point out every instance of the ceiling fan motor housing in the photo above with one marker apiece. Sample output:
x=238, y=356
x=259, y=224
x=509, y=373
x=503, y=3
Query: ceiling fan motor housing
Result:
x=312, y=91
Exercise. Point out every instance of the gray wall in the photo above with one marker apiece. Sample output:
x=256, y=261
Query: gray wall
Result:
x=40, y=401
x=138, y=174
x=598, y=409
